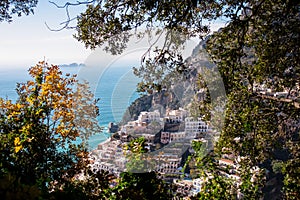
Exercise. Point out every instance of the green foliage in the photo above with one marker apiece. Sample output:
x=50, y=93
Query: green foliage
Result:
x=138, y=159
x=16, y=7
x=253, y=179
x=291, y=170
x=95, y=185
x=217, y=187
x=277, y=166
x=199, y=148
x=144, y=186
x=112, y=24
x=43, y=134
x=137, y=145
x=214, y=184
x=259, y=47
x=12, y=188
x=138, y=183
x=105, y=20
x=192, y=162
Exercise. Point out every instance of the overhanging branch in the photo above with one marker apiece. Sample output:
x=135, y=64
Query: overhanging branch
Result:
x=66, y=23
x=284, y=100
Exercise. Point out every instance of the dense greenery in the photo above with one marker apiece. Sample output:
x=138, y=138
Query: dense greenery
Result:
x=261, y=48
x=8, y=8
x=257, y=50
x=138, y=183
x=43, y=145
x=141, y=186
x=43, y=134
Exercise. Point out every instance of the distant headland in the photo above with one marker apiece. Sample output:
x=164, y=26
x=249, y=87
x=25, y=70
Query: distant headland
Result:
x=72, y=65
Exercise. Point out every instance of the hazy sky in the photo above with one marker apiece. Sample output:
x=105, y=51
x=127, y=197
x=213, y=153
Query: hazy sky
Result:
x=27, y=40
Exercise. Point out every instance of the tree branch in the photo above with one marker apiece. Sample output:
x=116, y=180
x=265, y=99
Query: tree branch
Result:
x=285, y=100
x=69, y=19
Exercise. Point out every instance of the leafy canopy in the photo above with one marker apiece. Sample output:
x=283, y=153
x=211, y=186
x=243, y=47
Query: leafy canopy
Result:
x=43, y=135
x=256, y=51
x=8, y=8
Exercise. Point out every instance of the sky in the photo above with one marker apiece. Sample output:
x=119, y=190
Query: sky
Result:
x=27, y=40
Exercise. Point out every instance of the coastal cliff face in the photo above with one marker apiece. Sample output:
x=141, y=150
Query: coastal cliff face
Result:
x=156, y=101
x=179, y=94
x=160, y=100
x=143, y=103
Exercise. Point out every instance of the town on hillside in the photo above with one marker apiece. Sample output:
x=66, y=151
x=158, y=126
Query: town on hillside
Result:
x=169, y=143
x=168, y=139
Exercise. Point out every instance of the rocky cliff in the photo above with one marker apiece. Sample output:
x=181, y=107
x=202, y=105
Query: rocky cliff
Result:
x=180, y=94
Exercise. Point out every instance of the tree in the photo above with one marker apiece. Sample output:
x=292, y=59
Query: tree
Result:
x=43, y=137
x=94, y=185
x=256, y=51
x=141, y=186
x=135, y=183
x=8, y=8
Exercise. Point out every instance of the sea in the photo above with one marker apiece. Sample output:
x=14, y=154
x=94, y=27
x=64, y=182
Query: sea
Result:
x=116, y=89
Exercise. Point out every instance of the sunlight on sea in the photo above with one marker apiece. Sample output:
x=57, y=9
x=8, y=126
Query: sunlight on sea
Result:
x=109, y=81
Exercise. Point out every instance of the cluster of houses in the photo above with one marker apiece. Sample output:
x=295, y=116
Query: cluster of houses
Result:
x=169, y=136
x=168, y=140
x=286, y=93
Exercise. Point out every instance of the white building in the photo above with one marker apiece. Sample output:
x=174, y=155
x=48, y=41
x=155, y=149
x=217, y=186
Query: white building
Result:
x=195, y=128
x=281, y=94
x=198, y=183
x=177, y=136
x=149, y=116
x=131, y=125
x=121, y=163
x=167, y=137
x=175, y=116
x=109, y=156
x=184, y=187
x=169, y=165
x=110, y=167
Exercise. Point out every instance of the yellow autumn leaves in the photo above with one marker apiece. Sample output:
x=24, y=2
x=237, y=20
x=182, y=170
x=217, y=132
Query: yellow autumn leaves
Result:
x=13, y=110
x=17, y=144
x=51, y=103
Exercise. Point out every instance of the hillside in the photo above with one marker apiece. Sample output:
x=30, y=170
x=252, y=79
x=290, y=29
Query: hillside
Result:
x=180, y=94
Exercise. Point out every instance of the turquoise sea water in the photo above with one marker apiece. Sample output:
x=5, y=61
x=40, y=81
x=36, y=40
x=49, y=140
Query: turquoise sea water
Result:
x=115, y=90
